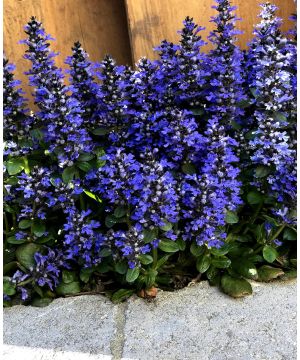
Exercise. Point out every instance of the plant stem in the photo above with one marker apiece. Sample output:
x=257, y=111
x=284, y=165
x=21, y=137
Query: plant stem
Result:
x=253, y=217
x=27, y=281
x=33, y=214
x=278, y=232
x=128, y=217
x=258, y=250
x=154, y=254
x=256, y=213
x=81, y=196
x=81, y=199
x=14, y=221
x=26, y=165
x=6, y=228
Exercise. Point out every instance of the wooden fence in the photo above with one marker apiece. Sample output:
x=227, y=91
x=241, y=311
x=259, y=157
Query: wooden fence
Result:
x=126, y=29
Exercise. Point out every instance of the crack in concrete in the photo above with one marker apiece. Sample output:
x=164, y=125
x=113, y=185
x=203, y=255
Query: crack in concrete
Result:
x=117, y=343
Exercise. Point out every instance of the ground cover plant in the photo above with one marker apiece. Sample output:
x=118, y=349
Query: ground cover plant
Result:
x=128, y=180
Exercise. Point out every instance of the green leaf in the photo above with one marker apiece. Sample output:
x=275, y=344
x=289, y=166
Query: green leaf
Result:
x=68, y=289
x=38, y=290
x=121, y=295
x=120, y=211
x=268, y=273
x=146, y=259
x=262, y=171
x=12, y=180
x=25, y=254
x=162, y=261
x=150, y=235
x=49, y=239
x=150, y=278
x=103, y=267
x=8, y=255
x=244, y=103
x=250, y=135
x=188, y=168
x=235, y=125
x=221, y=262
x=203, y=263
x=181, y=244
x=254, y=197
x=212, y=273
x=244, y=238
x=100, y=131
x=289, y=274
x=163, y=279
x=256, y=258
x=280, y=117
x=231, y=217
x=289, y=234
x=132, y=274
x=84, y=166
x=167, y=245
x=271, y=220
x=254, y=92
x=269, y=253
x=14, y=166
x=215, y=280
x=68, y=174
x=167, y=227
x=13, y=240
x=38, y=228
x=92, y=196
x=221, y=251
x=235, y=287
x=197, y=250
x=85, y=157
x=197, y=111
x=25, y=224
x=245, y=268
x=121, y=267
x=41, y=302
x=105, y=252
x=293, y=262
x=85, y=274
x=100, y=154
x=8, y=287
x=13, y=265
x=68, y=276
x=37, y=134
x=110, y=221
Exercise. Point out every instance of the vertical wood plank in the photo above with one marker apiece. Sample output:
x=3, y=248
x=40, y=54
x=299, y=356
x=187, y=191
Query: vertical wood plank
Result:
x=100, y=25
x=152, y=21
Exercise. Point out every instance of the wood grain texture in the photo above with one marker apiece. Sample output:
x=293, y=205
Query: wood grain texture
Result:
x=151, y=21
x=100, y=25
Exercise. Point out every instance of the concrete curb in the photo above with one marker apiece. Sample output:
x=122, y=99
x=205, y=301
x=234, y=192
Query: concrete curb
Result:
x=197, y=322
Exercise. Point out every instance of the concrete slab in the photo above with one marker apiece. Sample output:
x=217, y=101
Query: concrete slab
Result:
x=196, y=323
x=200, y=323
x=12, y=352
x=83, y=324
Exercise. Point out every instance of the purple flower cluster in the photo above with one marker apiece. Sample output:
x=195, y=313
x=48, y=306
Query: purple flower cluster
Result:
x=83, y=85
x=127, y=244
x=17, y=122
x=46, y=271
x=82, y=242
x=273, y=150
x=129, y=160
x=60, y=114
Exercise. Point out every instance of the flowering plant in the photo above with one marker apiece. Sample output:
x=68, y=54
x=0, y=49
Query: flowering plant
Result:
x=132, y=179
